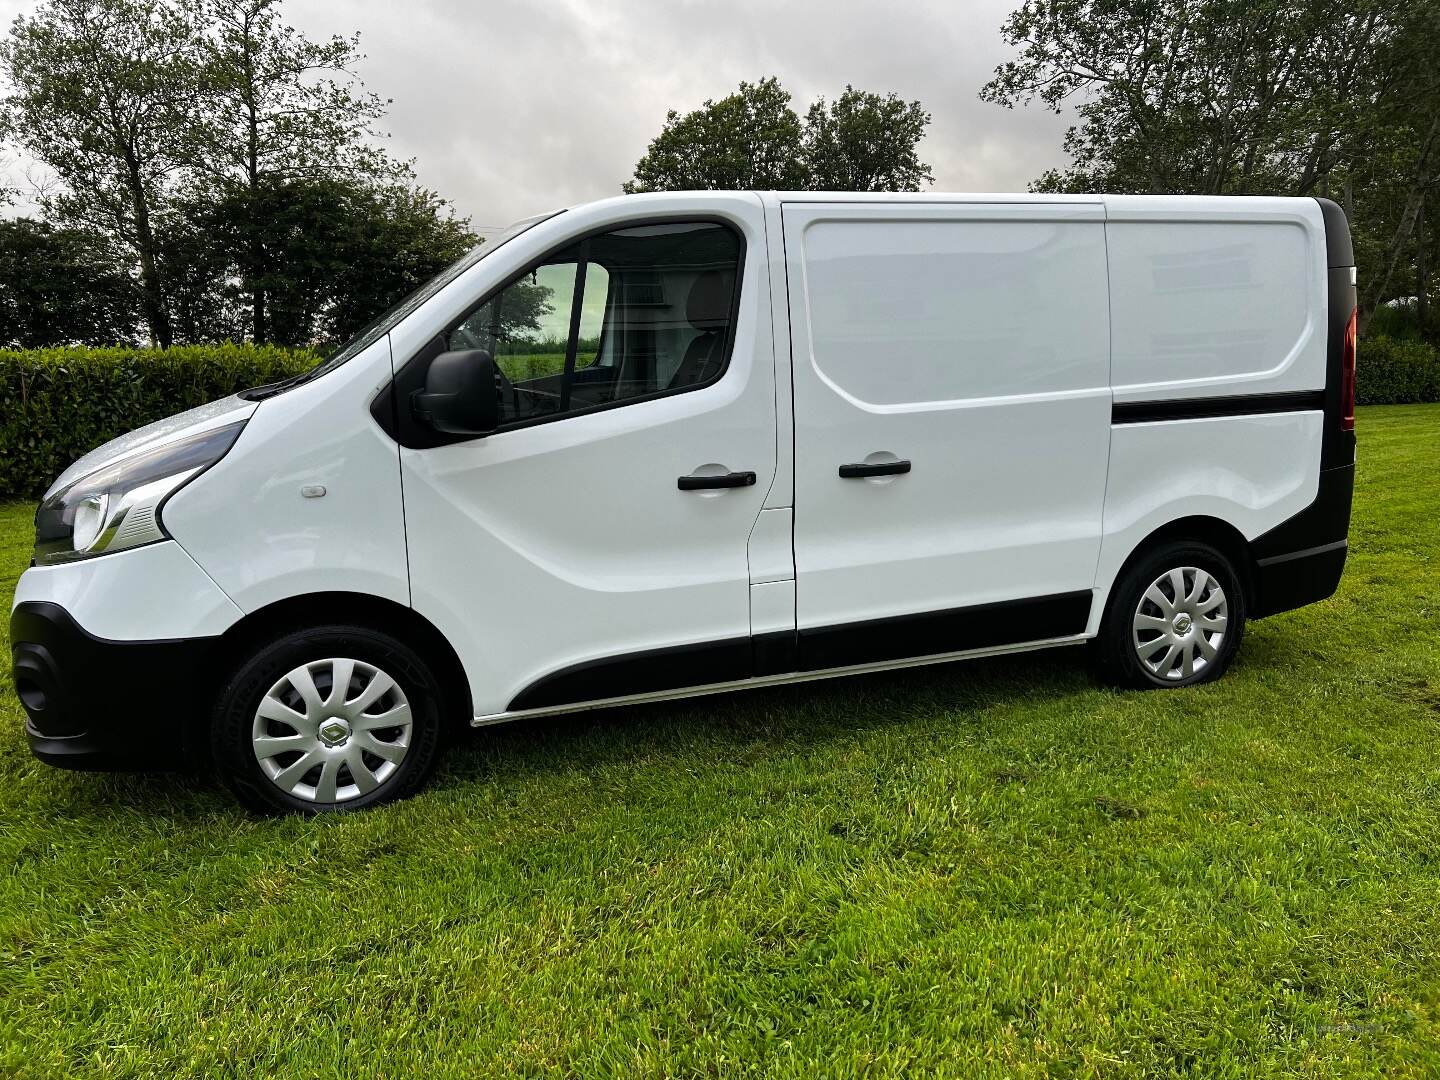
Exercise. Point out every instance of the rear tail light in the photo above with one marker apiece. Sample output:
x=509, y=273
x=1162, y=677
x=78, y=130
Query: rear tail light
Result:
x=1347, y=376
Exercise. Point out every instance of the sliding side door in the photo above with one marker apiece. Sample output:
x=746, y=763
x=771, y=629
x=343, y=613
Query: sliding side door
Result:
x=952, y=424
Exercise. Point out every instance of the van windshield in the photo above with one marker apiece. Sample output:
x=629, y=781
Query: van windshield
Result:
x=382, y=325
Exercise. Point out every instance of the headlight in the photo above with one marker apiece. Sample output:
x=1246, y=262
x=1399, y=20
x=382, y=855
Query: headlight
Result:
x=118, y=506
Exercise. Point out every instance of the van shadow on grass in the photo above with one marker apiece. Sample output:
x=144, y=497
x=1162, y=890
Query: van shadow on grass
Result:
x=736, y=726
x=799, y=717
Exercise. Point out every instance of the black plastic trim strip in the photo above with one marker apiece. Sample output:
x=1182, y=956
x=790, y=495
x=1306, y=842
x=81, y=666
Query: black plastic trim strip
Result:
x=1148, y=412
x=1321, y=549
x=930, y=633
x=644, y=672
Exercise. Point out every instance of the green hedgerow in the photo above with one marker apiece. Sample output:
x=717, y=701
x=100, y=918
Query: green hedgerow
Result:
x=58, y=403
x=1394, y=371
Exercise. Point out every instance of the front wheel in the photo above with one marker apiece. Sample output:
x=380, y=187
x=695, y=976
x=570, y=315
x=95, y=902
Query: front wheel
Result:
x=326, y=719
x=1175, y=618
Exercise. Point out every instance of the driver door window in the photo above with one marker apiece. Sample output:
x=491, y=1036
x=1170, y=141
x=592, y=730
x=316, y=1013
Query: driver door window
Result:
x=629, y=314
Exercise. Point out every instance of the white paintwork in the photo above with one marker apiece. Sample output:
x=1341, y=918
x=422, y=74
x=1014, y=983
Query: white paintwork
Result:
x=978, y=336
x=772, y=607
x=1250, y=471
x=556, y=544
x=1216, y=295
x=248, y=523
x=771, y=555
x=971, y=340
x=142, y=594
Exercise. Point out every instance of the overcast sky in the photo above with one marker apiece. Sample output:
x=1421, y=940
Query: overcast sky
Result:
x=511, y=108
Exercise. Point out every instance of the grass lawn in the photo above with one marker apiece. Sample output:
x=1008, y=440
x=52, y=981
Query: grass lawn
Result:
x=987, y=868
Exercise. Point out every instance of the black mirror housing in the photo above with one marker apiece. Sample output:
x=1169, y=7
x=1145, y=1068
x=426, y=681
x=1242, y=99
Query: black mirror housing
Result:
x=460, y=396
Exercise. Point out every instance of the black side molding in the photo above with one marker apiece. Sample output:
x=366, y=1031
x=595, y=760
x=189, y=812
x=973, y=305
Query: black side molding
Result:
x=929, y=633
x=1011, y=622
x=640, y=673
x=1147, y=412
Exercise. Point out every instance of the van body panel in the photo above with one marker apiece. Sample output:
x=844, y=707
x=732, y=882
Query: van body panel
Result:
x=558, y=556
x=350, y=539
x=114, y=597
x=782, y=490
x=972, y=341
x=1240, y=470
x=1216, y=296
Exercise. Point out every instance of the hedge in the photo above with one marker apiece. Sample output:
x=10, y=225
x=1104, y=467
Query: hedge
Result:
x=1390, y=371
x=58, y=403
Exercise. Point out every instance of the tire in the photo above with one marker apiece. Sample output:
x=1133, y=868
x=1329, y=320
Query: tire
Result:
x=268, y=722
x=1145, y=638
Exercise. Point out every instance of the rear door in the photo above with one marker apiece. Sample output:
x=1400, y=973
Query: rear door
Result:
x=952, y=423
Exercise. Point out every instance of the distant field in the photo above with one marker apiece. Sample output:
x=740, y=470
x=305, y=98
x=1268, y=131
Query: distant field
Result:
x=988, y=869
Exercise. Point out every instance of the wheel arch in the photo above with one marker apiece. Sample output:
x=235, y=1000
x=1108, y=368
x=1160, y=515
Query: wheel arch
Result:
x=1216, y=532
x=324, y=609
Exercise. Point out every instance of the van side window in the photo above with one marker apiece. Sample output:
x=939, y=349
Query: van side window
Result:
x=623, y=315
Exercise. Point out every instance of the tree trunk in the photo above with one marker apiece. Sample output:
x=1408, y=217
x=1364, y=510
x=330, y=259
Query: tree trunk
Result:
x=1422, y=270
x=1423, y=176
x=152, y=292
x=259, y=330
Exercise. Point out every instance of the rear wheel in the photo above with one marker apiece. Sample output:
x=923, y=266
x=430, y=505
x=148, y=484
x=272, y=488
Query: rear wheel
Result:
x=326, y=719
x=1175, y=618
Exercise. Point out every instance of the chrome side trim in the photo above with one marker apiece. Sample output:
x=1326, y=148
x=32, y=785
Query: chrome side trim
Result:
x=779, y=680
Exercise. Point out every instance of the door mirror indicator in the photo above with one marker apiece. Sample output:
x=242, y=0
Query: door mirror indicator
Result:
x=460, y=395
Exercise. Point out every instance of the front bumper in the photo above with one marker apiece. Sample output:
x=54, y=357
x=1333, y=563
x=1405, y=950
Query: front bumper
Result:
x=98, y=704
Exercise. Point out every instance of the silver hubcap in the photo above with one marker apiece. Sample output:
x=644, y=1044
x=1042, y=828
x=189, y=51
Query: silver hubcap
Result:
x=1180, y=623
x=332, y=730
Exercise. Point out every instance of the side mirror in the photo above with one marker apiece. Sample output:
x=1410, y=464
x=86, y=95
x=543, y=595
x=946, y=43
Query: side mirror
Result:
x=459, y=396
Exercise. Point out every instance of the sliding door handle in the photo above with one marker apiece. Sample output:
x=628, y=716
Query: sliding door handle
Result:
x=878, y=468
x=719, y=480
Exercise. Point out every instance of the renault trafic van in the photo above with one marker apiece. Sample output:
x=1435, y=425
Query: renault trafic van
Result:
x=676, y=444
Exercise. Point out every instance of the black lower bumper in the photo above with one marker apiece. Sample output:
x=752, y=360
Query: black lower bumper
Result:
x=99, y=704
x=1300, y=561
x=1286, y=582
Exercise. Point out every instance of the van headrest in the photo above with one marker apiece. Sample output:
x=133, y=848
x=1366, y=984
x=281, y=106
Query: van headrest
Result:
x=708, y=307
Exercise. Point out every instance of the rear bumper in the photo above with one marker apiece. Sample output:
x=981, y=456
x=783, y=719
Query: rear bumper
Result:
x=98, y=704
x=1300, y=561
x=1286, y=582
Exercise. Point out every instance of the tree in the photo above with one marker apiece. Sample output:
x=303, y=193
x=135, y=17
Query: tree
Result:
x=748, y=141
x=279, y=109
x=62, y=285
x=104, y=92
x=865, y=142
x=398, y=237
x=1295, y=97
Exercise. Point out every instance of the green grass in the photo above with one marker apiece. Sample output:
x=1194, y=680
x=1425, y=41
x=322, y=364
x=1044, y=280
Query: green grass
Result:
x=995, y=868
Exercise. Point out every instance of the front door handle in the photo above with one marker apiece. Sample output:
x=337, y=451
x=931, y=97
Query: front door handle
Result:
x=878, y=468
x=719, y=480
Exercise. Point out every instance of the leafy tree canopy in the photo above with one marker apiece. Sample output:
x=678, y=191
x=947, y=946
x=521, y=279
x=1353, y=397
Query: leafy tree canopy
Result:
x=1284, y=97
x=63, y=285
x=753, y=140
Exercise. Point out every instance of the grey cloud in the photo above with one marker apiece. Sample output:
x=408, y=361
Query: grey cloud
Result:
x=514, y=108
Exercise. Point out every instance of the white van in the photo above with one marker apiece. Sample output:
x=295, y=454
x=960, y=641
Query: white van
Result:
x=674, y=444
